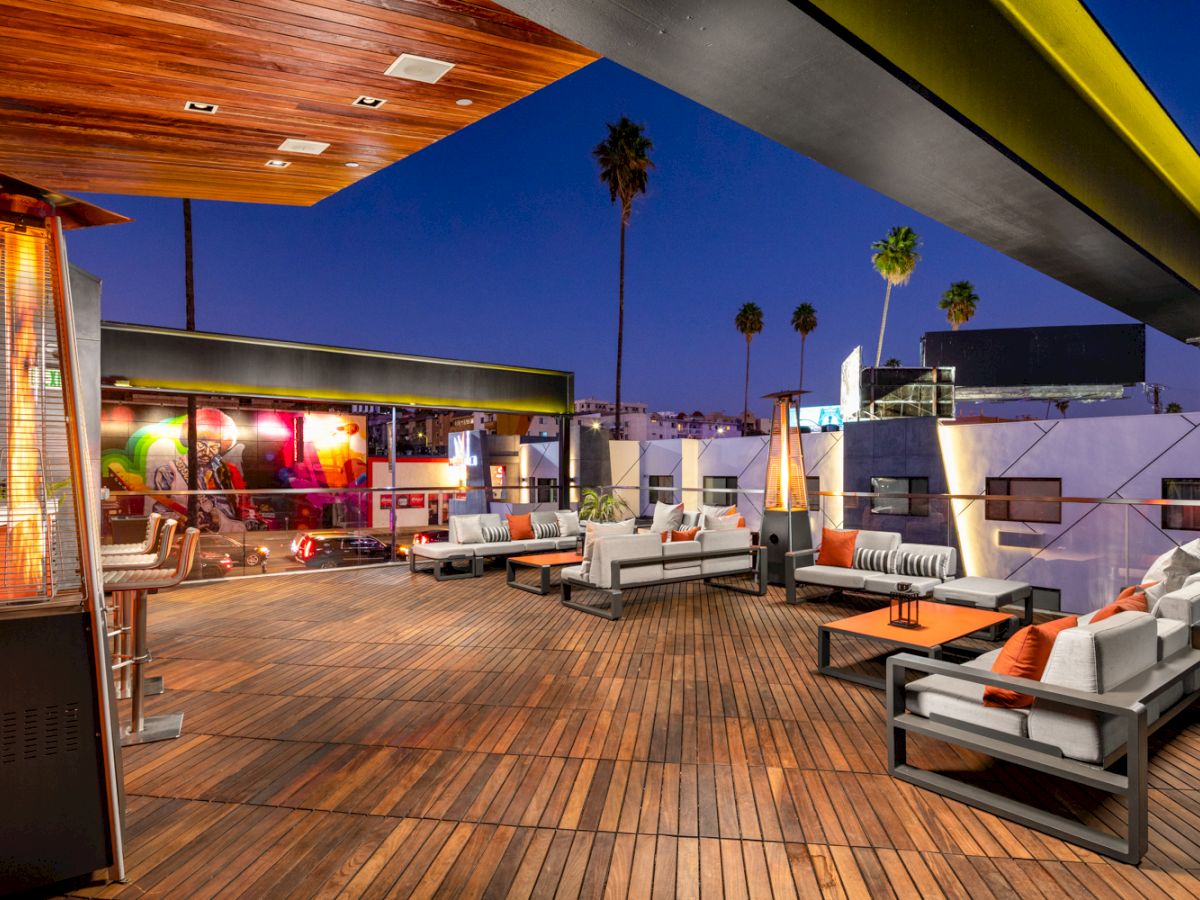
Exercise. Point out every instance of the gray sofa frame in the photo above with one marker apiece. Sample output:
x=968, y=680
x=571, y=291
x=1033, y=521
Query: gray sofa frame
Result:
x=616, y=603
x=1128, y=704
x=443, y=568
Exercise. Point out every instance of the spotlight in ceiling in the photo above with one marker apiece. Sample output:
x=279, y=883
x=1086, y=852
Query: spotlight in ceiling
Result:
x=197, y=107
x=351, y=165
x=418, y=68
x=277, y=164
x=463, y=102
x=369, y=102
x=295, y=145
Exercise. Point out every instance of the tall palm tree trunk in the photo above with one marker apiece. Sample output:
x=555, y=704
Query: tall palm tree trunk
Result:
x=746, y=393
x=887, y=296
x=800, y=390
x=620, y=326
x=189, y=290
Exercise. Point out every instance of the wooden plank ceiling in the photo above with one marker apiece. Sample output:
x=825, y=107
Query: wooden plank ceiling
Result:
x=92, y=92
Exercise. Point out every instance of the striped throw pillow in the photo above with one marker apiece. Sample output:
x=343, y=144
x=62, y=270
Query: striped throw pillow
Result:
x=922, y=565
x=871, y=560
x=496, y=534
x=545, y=530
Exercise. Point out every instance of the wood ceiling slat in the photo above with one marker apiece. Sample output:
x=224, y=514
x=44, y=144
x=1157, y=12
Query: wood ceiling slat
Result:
x=94, y=98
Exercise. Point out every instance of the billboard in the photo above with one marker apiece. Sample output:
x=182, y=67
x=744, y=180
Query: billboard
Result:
x=851, y=393
x=1074, y=355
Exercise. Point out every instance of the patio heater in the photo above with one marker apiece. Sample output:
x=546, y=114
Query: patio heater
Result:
x=59, y=769
x=785, y=525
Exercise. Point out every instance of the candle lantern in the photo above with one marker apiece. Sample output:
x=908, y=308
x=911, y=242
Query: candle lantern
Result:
x=785, y=525
x=905, y=607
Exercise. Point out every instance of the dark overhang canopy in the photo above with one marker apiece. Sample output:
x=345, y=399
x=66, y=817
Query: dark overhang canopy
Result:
x=194, y=362
x=1018, y=124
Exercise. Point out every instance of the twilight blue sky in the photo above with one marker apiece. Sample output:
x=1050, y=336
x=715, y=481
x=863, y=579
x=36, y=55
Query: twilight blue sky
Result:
x=498, y=243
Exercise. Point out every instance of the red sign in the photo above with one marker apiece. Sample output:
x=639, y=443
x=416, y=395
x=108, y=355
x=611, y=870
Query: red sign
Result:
x=403, y=501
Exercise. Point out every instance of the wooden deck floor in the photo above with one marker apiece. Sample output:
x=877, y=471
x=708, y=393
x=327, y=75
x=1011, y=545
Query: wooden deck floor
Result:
x=373, y=733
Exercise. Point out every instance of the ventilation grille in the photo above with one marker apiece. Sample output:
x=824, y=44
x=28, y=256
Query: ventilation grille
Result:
x=30, y=734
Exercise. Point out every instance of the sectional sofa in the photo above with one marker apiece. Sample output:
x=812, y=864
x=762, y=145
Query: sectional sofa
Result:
x=463, y=549
x=878, y=570
x=1106, y=686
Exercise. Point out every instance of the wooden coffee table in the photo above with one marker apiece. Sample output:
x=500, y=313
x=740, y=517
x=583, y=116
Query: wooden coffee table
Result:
x=545, y=562
x=940, y=624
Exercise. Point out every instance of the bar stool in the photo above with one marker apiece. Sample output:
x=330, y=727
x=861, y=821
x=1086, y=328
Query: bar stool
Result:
x=141, y=583
x=120, y=606
x=146, y=545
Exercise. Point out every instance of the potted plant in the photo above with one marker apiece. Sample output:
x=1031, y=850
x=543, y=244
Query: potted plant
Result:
x=603, y=505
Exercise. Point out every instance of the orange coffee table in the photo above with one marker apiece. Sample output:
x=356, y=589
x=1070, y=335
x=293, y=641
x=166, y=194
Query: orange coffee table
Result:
x=545, y=562
x=941, y=623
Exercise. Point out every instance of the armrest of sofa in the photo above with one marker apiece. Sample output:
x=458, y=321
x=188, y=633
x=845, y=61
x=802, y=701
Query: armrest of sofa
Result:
x=796, y=554
x=1182, y=605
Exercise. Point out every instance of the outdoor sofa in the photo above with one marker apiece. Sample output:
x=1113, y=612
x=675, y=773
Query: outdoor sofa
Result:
x=615, y=563
x=474, y=538
x=879, y=566
x=1106, y=687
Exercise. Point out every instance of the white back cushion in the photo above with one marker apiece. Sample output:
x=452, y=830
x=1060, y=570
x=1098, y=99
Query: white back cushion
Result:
x=614, y=547
x=596, y=531
x=466, y=530
x=877, y=540
x=667, y=517
x=568, y=522
x=1101, y=655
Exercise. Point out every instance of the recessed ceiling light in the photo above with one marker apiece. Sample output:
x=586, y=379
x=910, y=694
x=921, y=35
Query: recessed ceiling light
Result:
x=369, y=102
x=277, y=163
x=295, y=145
x=197, y=107
x=463, y=102
x=351, y=165
x=418, y=68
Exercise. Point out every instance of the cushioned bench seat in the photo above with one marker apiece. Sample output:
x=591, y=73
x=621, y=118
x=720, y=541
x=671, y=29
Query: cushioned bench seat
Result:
x=962, y=701
x=883, y=583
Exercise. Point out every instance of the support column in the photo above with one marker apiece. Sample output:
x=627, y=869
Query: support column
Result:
x=564, y=462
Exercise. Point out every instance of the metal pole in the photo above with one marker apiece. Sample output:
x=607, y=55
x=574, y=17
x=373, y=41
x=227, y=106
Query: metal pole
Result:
x=392, y=471
x=138, y=723
x=189, y=290
x=564, y=462
x=87, y=505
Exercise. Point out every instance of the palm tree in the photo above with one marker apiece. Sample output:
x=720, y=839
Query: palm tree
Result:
x=894, y=259
x=1062, y=406
x=1174, y=408
x=959, y=303
x=804, y=321
x=893, y=362
x=749, y=322
x=624, y=167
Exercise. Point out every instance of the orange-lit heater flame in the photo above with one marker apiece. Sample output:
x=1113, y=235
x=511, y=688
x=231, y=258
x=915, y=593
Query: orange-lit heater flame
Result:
x=786, y=488
x=23, y=564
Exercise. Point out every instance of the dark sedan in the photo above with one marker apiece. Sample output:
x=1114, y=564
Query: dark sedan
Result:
x=330, y=549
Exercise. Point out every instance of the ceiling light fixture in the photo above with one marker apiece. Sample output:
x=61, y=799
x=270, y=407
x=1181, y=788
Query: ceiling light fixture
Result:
x=418, y=68
x=369, y=102
x=197, y=107
x=277, y=163
x=351, y=165
x=463, y=102
x=296, y=145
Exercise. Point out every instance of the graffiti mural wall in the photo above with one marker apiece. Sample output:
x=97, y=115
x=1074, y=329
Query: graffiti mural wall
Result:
x=144, y=448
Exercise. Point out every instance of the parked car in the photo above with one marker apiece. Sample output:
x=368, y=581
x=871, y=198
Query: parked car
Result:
x=211, y=564
x=242, y=552
x=330, y=549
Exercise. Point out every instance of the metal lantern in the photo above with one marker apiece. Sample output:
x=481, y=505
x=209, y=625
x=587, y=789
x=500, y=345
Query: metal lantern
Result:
x=905, y=607
x=785, y=525
x=59, y=772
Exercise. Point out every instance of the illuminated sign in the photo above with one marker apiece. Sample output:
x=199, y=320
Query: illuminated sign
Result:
x=815, y=418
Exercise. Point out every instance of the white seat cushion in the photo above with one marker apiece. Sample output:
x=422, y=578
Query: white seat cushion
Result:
x=503, y=548
x=879, y=583
x=986, y=593
x=566, y=543
x=962, y=701
x=832, y=576
x=444, y=550
x=539, y=544
x=573, y=572
x=1173, y=636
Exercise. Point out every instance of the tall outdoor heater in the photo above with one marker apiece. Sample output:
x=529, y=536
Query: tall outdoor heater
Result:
x=60, y=813
x=785, y=525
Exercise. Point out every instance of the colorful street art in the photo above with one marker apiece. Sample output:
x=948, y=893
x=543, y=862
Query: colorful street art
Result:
x=237, y=452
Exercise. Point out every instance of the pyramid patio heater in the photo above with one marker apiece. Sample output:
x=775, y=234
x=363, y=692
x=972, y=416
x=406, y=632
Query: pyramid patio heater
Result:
x=785, y=525
x=60, y=812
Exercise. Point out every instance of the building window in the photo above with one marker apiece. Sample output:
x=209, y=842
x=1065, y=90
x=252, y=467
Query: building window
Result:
x=1023, y=510
x=662, y=488
x=545, y=490
x=1181, y=518
x=720, y=490
x=899, y=506
x=812, y=484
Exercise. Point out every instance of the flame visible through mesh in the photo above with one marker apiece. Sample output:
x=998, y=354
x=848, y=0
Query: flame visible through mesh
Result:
x=39, y=541
x=786, y=485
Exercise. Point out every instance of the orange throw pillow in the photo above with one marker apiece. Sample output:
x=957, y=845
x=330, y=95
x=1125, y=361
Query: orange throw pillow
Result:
x=520, y=528
x=1132, y=599
x=686, y=535
x=837, y=548
x=1025, y=655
